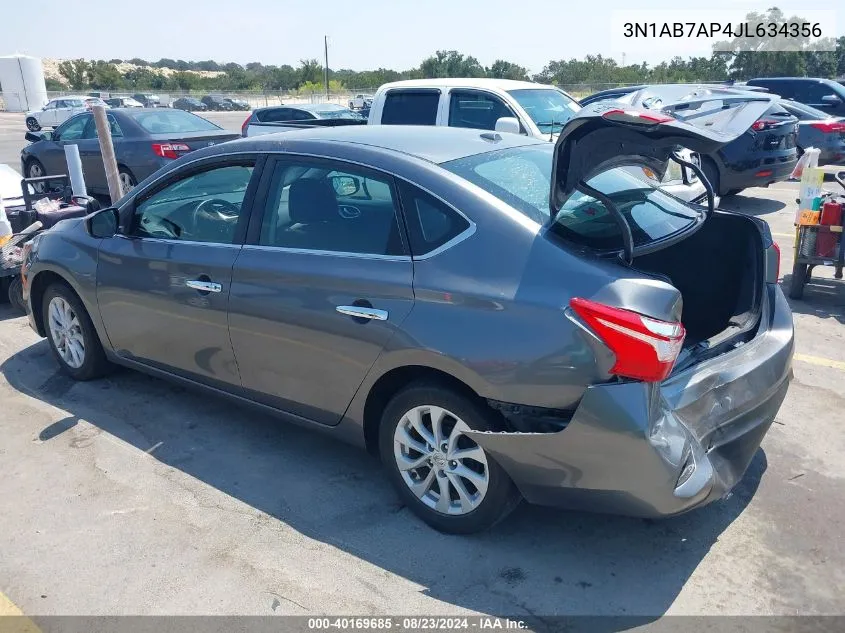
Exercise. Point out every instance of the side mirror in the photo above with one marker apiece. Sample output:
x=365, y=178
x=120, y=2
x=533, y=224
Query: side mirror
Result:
x=831, y=99
x=345, y=185
x=103, y=223
x=34, y=137
x=508, y=124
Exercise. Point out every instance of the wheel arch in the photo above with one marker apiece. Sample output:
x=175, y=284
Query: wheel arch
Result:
x=38, y=286
x=391, y=382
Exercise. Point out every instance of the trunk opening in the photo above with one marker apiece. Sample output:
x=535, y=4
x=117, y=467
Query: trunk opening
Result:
x=719, y=272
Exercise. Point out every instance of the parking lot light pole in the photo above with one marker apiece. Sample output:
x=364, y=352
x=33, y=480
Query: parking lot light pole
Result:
x=107, y=150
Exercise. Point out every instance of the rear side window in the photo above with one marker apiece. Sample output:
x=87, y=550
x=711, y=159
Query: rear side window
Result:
x=172, y=122
x=410, y=107
x=430, y=222
x=474, y=109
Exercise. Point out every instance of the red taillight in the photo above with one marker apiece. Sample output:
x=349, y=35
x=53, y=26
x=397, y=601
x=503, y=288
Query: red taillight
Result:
x=170, y=150
x=777, y=267
x=645, y=348
x=762, y=124
x=636, y=116
x=764, y=173
x=835, y=126
x=245, y=125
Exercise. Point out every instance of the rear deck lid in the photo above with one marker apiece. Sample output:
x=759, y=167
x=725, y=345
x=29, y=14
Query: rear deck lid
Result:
x=605, y=135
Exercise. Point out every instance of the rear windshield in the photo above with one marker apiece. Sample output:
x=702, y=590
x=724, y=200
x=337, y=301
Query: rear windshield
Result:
x=172, y=122
x=520, y=177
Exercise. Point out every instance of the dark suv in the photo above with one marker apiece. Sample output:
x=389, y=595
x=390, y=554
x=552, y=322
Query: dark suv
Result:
x=823, y=94
x=765, y=154
x=217, y=102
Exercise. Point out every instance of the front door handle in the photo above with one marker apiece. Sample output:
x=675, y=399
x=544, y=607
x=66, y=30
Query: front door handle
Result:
x=363, y=313
x=203, y=286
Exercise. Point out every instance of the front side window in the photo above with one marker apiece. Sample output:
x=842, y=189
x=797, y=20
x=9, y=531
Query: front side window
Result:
x=477, y=110
x=521, y=178
x=202, y=207
x=91, y=130
x=51, y=105
x=331, y=208
x=410, y=107
x=74, y=129
x=547, y=107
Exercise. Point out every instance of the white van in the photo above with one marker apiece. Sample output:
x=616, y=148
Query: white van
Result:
x=502, y=105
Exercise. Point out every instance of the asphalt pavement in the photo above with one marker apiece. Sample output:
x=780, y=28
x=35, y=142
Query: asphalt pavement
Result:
x=130, y=495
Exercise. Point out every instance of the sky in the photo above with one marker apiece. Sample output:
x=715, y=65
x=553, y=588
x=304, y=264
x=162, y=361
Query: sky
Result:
x=364, y=34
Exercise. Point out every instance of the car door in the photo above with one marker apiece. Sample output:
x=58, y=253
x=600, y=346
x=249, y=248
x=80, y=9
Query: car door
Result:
x=92, y=157
x=322, y=284
x=163, y=282
x=47, y=117
x=64, y=110
x=53, y=154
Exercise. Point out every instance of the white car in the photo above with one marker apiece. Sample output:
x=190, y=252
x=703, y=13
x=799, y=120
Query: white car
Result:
x=503, y=105
x=58, y=110
x=359, y=102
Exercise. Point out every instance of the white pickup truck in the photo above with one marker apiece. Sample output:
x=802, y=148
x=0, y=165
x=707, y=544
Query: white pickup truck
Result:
x=502, y=105
x=359, y=102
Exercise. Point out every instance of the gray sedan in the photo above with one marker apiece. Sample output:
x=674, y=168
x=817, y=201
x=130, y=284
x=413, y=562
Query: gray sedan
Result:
x=820, y=130
x=495, y=316
x=144, y=141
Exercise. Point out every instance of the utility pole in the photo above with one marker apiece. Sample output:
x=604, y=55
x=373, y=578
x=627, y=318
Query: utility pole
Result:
x=623, y=59
x=326, y=67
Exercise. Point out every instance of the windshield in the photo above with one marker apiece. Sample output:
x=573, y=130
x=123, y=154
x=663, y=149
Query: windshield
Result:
x=166, y=121
x=520, y=177
x=547, y=107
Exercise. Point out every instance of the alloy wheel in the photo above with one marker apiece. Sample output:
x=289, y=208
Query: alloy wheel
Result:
x=439, y=463
x=127, y=182
x=66, y=332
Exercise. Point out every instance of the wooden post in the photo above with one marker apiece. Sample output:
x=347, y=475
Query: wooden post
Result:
x=107, y=150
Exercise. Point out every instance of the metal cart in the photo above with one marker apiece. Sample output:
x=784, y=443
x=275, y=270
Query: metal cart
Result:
x=806, y=238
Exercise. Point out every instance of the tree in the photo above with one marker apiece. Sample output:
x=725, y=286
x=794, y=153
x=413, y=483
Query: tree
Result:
x=502, y=69
x=53, y=84
x=75, y=71
x=165, y=62
x=138, y=61
x=310, y=70
x=451, y=64
x=103, y=76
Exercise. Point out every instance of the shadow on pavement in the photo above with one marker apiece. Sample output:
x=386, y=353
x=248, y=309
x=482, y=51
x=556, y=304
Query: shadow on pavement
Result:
x=751, y=205
x=536, y=563
x=823, y=297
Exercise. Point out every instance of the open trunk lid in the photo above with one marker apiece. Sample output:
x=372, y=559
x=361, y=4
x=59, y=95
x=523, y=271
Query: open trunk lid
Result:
x=606, y=135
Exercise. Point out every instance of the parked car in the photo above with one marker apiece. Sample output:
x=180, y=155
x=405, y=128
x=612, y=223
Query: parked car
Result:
x=239, y=104
x=823, y=94
x=361, y=101
x=217, y=102
x=147, y=100
x=765, y=154
x=519, y=107
x=55, y=112
x=820, y=130
x=456, y=300
x=189, y=104
x=283, y=118
x=144, y=140
x=124, y=102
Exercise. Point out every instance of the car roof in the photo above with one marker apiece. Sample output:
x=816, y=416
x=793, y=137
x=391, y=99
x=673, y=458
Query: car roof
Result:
x=316, y=107
x=466, y=82
x=436, y=144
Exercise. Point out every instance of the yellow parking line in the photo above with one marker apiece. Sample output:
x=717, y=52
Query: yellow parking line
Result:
x=12, y=619
x=818, y=360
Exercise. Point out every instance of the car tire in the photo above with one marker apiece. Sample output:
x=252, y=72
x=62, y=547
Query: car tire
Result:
x=711, y=172
x=127, y=179
x=32, y=124
x=15, y=294
x=799, y=279
x=68, y=327
x=486, y=495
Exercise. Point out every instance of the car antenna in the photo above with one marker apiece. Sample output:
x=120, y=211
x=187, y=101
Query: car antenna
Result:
x=552, y=131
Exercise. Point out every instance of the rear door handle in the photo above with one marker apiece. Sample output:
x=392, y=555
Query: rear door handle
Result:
x=363, y=313
x=203, y=286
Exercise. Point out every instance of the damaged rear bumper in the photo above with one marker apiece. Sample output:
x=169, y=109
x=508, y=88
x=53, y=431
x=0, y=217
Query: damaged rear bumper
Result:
x=656, y=450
